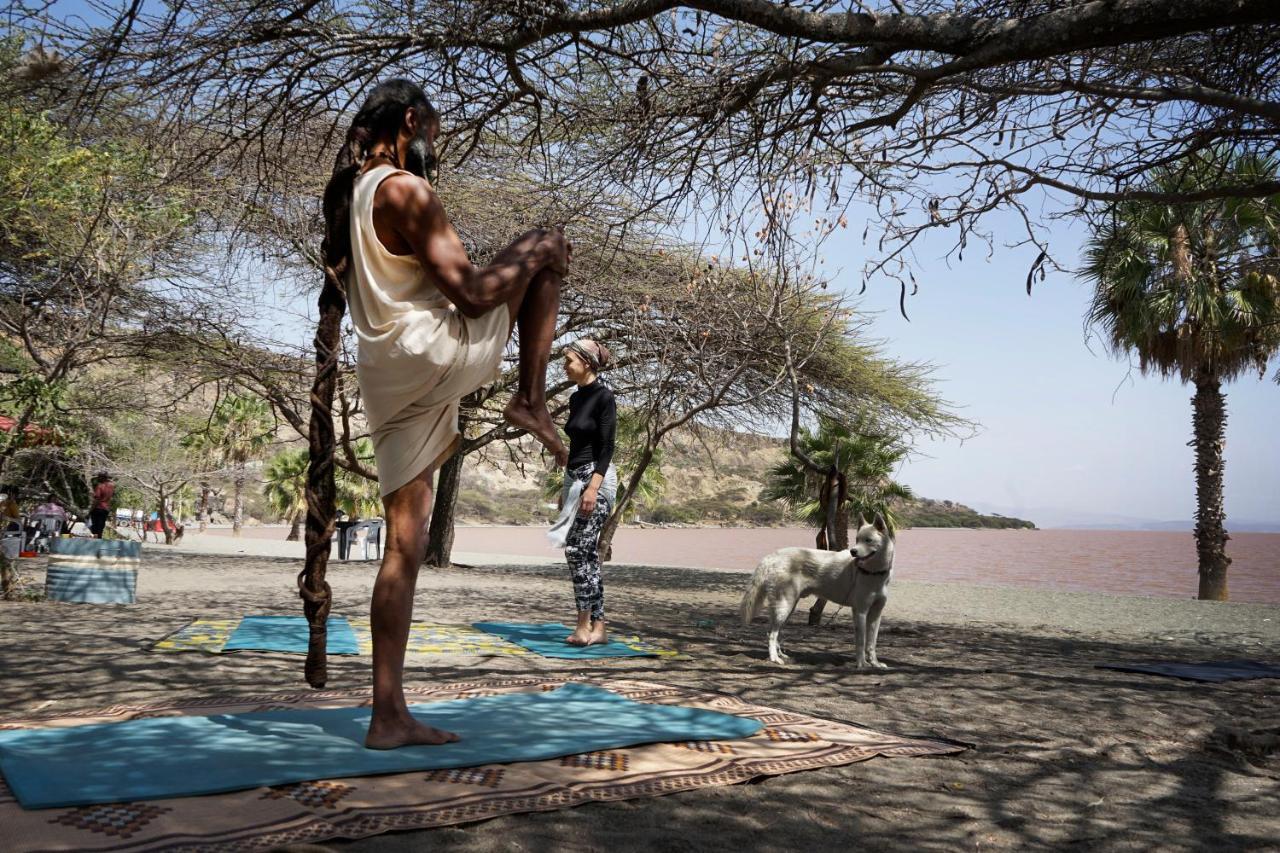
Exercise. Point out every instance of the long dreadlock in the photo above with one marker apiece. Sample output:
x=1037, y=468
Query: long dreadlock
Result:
x=379, y=118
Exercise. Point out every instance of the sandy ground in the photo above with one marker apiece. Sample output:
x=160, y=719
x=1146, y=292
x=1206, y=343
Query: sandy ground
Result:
x=1064, y=755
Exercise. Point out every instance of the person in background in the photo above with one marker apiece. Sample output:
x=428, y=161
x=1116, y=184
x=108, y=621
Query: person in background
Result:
x=52, y=508
x=593, y=418
x=104, y=492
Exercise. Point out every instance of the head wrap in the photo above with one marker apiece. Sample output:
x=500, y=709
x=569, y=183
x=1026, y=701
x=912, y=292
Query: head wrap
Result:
x=594, y=353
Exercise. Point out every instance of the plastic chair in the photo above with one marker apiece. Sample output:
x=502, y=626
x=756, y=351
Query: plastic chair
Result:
x=48, y=526
x=12, y=538
x=373, y=534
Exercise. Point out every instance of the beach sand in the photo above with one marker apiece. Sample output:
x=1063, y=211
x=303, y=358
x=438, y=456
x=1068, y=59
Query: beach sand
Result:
x=1063, y=754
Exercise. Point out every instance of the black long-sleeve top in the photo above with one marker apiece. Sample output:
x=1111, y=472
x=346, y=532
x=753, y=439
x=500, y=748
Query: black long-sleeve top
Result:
x=592, y=424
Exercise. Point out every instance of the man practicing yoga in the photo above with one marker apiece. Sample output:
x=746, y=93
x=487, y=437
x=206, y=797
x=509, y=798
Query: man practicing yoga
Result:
x=432, y=328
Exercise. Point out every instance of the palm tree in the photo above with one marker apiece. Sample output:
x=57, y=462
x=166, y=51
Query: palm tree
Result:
x=206, y=457
x=866, y=458
x=358, y=496
x=1193, y=289
x=242, y=428
x=285, y=487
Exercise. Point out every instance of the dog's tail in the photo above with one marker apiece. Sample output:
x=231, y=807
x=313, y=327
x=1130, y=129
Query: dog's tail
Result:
x=751, y=598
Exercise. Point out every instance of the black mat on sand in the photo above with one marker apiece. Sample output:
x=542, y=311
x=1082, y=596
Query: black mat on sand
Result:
x=1218, y=670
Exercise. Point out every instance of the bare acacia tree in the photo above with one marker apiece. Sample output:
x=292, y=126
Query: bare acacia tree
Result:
x=719, y=345
x=145, y=451
x=929, y=114
x=933, y=112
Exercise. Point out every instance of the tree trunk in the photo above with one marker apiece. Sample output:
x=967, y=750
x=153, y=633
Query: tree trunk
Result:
x=295, y=528
x=831, y=497
x=163, y=514
x=8, y=579
x=440, y=534
x=203, y=512
x=834, y=535
x=1209, y=422
x=237, y=501
x=605, y=546
x=842, y=527
x=317, y=596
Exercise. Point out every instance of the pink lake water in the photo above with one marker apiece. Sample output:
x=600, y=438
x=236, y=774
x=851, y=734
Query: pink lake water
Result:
x=1122, y=562
x=1151, y=563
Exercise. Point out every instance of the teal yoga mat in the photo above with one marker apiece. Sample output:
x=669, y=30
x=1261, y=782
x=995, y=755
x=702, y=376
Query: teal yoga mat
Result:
x=187, y=756
x=547, y=639
x=290, y=634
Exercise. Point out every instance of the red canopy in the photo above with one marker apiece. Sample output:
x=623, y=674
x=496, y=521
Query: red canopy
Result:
x=32, y=433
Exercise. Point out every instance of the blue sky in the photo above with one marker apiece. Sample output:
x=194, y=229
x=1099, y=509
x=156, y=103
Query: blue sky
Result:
x=1069, y=434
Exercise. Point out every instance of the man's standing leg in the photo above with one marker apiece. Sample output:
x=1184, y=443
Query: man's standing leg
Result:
x=408, y=510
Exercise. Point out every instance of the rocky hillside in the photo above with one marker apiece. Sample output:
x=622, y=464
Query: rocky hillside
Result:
x=713, y=481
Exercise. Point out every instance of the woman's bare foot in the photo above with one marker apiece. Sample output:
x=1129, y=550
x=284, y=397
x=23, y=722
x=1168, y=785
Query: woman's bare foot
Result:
x=599, y=633
x=581, y=635
x=537, y=421
x=404, y=731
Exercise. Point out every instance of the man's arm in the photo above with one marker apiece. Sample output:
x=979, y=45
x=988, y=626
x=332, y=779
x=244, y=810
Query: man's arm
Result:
x=419, y=219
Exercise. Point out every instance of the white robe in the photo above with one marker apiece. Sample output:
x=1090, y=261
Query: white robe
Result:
x=418, y=355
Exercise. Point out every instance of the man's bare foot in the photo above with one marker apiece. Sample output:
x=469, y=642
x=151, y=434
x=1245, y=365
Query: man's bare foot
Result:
x=537, y=421
x=392, y=734
x=599, y=634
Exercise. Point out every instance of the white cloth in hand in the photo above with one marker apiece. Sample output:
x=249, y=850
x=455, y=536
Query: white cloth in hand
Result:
x=559, y=531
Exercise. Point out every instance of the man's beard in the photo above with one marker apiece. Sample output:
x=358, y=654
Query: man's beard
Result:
x=420, y=159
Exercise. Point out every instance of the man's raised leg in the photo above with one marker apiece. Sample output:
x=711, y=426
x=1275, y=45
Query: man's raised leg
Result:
x=535, y=311
x=408, y=510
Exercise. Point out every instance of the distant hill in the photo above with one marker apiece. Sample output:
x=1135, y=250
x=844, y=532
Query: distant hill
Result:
x=930, y=513
x=712, y=480
x=1065, y=518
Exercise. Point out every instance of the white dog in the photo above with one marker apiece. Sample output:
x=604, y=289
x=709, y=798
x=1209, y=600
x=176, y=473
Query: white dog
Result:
x=858, y=578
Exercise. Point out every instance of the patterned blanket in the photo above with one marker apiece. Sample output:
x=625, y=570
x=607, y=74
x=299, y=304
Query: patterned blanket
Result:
x=264, y=818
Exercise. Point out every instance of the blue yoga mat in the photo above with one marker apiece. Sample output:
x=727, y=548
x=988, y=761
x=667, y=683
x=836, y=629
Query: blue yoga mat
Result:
x=1219, y=670
x=186, y=756
x=547, y=639
x=290, y=634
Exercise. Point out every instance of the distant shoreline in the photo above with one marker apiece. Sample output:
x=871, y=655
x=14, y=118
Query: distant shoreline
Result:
x=217, y=528
x=1147, y=563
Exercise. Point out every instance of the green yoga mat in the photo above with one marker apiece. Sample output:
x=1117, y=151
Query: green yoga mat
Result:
x=547, y=639
x=186, y=756
x=290, y=634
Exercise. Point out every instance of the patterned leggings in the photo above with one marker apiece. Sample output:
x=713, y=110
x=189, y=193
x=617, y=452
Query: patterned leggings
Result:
x=580, y=551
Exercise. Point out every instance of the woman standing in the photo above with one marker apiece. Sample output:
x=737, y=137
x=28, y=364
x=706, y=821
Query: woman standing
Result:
x=593, y=418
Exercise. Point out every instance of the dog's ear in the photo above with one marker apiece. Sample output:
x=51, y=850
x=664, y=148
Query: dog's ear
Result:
x=862, y=520
x=880, y=524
